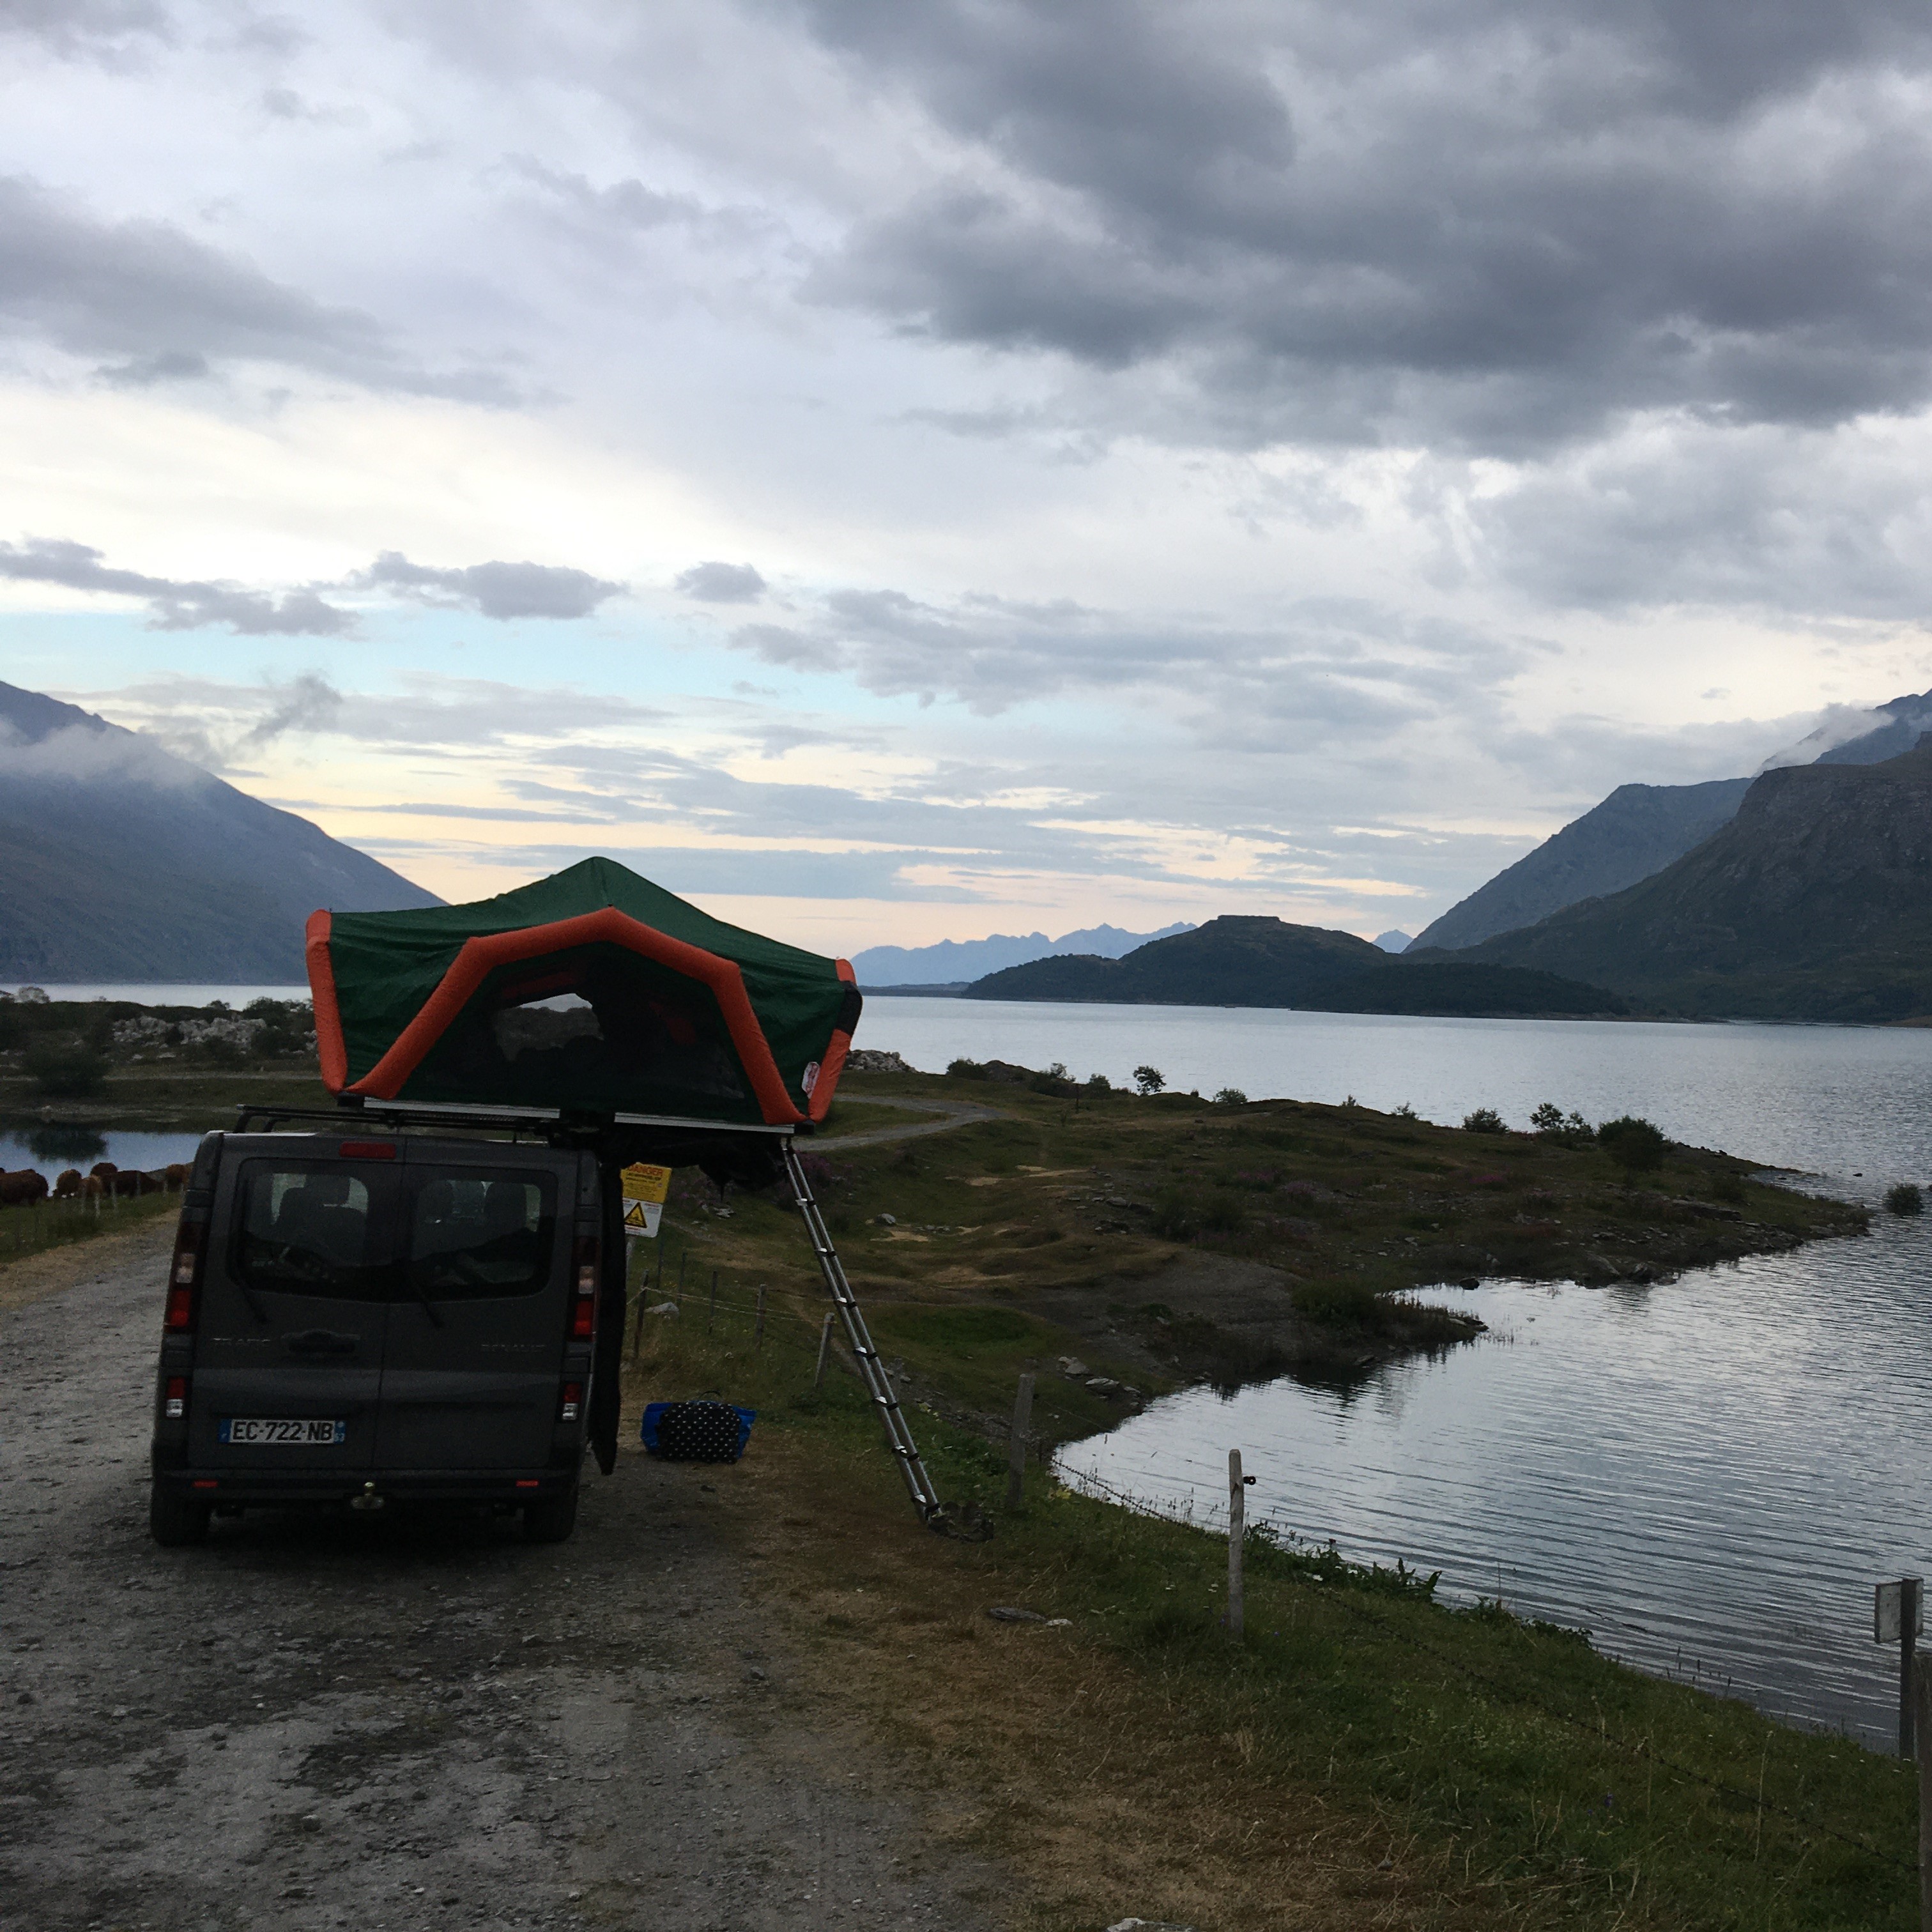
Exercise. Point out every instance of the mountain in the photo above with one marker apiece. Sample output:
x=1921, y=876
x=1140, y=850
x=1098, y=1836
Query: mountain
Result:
x=1814, y=902
x=954, y=962
x=1639, y=829
x=1392, y=941
x=119, y=861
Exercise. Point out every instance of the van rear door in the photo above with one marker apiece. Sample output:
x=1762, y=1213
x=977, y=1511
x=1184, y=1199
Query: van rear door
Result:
x=472, y=1374
x=294, y=1307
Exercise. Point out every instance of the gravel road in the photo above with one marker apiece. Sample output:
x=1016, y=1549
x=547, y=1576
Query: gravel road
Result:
x=305, y=1724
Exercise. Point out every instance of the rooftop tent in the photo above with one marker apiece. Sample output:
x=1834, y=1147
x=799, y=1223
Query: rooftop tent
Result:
x=592, y=990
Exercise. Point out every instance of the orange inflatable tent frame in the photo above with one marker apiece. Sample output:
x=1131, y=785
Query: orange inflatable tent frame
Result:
x=480, y=956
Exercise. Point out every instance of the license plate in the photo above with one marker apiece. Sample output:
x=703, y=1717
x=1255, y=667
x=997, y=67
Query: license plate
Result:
x=303, y=1433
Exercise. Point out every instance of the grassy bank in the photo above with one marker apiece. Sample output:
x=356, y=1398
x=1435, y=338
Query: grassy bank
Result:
x=1172, y=1240
x=1366, y=1756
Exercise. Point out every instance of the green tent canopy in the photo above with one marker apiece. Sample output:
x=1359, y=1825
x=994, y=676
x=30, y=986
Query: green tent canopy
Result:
x=593, y=990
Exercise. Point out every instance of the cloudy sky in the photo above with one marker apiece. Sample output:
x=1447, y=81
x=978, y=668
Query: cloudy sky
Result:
x=899, y=472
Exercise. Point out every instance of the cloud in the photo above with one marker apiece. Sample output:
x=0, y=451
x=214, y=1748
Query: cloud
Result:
x=1429, y=223
x=722, y=583
x=502, y=591
x=145, y=291
x=94, y=754
x=309, y=702
x=106, y=31
x=175, y=605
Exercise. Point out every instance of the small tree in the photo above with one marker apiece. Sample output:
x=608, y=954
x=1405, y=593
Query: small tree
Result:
x=1148, y=1080
x=1484, y=1120
x=65, y=1069
x=1230, y=1096
x=1905, y=1198
x=1553, y=1124
x=1634, y=1144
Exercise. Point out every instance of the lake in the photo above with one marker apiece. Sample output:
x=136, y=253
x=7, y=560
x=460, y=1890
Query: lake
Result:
x=1711, y=1474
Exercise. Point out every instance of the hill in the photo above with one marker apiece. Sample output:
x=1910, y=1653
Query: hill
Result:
x=1640, y=828
x=1814, y=903
x=1248, y=962
x=1452, y=988
x=119, y=861
x=956, y=961
x=1235, y=961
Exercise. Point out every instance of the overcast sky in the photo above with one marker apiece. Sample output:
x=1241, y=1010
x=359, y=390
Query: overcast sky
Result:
x=894, y=471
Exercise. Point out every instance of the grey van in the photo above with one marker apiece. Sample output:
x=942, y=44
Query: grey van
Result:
x=363, y=1318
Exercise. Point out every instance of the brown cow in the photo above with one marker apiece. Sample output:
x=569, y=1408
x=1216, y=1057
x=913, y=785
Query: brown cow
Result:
x=93, y=1187
x=176, y=1174
x=104, y=1170
x=23, y=1188
x=68, y=1185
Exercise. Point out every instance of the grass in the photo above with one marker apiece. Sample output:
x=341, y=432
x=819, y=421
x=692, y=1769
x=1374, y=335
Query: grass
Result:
x=1366, y=1756
x=60, y=1224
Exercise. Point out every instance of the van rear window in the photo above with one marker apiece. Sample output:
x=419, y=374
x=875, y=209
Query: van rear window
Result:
x=482, y=1233
x=309, y=1231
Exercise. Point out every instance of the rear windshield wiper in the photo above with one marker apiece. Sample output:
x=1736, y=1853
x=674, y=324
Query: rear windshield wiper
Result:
x=421, y=1294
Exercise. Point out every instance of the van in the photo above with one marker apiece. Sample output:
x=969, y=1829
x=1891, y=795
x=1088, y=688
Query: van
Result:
x=366, y=1320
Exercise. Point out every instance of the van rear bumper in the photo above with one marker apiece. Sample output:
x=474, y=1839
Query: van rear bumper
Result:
x=326, y=1487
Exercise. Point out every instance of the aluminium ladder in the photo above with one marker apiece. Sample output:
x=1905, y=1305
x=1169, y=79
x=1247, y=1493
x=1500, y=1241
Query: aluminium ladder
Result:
x=878, y=1384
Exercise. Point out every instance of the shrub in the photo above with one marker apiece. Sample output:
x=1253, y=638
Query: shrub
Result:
x=1727, y=1187
x=1230, y=1096
x=1404, y=1112
x=965, y=1069
x=1100, y=1083
x=1484, y=1120
x=1634, y=1144
x=1905, y=1198
x=1553, y=1123
x=65, y=1069
x=1148, y=1080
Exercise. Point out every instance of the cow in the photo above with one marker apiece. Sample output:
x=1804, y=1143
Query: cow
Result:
x=25, y=1188
x=93, y=1187
x=68, y=1186
x=104, y=1170
x=176, y=1174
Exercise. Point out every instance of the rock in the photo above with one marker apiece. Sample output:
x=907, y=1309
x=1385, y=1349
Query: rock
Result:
x=889, y=1220
x=1148, y=1925
x=667, y=1308
x=1009, y=1613
x=1103, y=1385
x=873, y=1059
x=1072, y=1365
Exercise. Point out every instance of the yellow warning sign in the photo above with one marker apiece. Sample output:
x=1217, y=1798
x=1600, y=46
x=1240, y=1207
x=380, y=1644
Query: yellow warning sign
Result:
x=645, y=1188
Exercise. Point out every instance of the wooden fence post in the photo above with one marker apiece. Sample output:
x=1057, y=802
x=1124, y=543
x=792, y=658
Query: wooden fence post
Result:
x=1016, y=1447
x=1923, y=1702
x=1237, y=1525
x=1909, y=1605
x=824, y=1349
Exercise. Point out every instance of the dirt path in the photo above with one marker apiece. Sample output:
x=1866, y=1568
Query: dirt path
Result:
x=376, y=1725
x=953, y=1113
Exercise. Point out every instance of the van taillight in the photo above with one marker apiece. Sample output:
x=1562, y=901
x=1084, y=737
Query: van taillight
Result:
x=174, y=1399
x=573, y=1403
x=185, y=1272
x=584, y=1315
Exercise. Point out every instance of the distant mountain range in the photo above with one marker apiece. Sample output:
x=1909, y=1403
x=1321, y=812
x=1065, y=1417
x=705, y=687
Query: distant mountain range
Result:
x=1639, y=829
x=1245, y=961
x=119, y=861
x=956, y=961
x=1814, y=902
